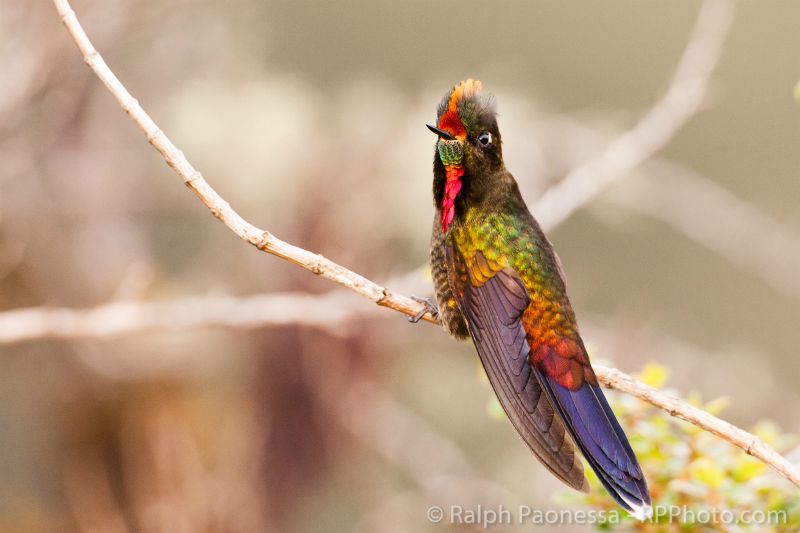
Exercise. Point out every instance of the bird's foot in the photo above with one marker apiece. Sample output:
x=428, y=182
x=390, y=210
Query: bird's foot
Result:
x=430, y=307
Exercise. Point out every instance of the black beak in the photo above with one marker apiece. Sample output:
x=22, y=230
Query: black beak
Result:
x=441, y=133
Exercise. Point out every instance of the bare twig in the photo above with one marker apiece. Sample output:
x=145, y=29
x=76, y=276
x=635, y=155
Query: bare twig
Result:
x=719, y=9
x=682, y=101
x=752, y=445
x=261, y=239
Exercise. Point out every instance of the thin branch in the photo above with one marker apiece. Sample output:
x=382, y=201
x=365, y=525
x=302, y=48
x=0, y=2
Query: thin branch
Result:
x=752, y=445
x=263, y=240
x=683, y=99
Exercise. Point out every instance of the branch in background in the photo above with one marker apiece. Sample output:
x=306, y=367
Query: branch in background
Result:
x=715, y=218
x=712, y=12
x=325, y=311
x=683, y=100
x=125, y=317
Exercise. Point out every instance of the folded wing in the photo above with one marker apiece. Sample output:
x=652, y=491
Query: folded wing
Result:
x=546, y=389
x=500, y=340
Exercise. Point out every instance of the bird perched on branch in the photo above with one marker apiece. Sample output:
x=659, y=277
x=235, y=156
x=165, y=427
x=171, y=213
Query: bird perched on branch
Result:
x=499, y=282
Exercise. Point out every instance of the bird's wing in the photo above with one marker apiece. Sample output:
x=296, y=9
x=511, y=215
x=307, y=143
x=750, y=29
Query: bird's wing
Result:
x=498, y=335
x=535, y=379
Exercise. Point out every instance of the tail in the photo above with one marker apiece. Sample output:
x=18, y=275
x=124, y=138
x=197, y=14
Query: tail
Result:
x=594, y=428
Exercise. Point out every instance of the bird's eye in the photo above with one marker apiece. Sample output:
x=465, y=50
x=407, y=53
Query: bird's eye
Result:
x=485, y=139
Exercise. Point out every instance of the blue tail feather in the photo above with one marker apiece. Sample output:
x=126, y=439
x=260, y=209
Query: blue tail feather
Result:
x=595, y=429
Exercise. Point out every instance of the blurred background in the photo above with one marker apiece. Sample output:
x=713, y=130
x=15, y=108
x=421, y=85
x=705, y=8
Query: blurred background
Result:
x=208, y=392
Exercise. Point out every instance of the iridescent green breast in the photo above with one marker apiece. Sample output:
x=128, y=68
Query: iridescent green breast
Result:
x=506, y=241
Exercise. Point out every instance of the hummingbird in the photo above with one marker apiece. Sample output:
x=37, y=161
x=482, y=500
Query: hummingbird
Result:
x=499, y=282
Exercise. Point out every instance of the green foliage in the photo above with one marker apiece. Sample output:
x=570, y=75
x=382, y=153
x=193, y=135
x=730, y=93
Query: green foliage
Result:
x=714, y=485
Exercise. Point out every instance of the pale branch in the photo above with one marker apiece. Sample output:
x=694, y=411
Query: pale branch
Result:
x=751, y=444
x=328, y=311
x=683, y=99
x=267, y=242
x=261, y=239
x=126, y=317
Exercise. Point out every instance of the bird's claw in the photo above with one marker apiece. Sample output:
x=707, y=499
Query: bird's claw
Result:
x=430, y=307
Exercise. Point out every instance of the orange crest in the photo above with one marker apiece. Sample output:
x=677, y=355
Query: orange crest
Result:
x=450, y=121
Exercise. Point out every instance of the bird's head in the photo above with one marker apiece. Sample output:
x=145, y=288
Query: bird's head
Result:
x=468, y=149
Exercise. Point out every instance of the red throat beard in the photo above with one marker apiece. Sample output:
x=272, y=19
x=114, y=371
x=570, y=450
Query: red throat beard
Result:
x=452, y=186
